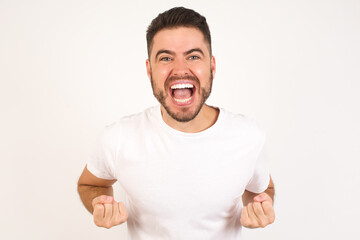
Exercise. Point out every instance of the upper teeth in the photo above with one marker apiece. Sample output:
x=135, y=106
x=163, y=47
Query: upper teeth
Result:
x=182, y=85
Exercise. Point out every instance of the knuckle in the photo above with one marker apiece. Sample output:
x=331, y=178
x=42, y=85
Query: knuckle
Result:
x=248, y=224
x=257, y=206
x=262, y=224
x=245, y=222
x=107, y=225
x=255, y=224
x=96, y=200
x=98, y=207
x=117, y=220
x=252, y=225
x=125, y=217
x=97, y=222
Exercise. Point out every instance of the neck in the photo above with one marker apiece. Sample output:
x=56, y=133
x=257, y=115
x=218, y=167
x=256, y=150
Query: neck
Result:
x=205, y=119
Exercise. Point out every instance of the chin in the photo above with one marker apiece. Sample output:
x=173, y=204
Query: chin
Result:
x=184, y=114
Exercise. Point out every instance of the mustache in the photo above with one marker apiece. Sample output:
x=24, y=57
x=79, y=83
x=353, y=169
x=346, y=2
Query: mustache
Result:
x=185, y=77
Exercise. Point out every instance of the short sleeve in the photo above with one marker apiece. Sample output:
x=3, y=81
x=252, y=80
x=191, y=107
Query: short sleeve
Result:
x=101, y=161
x=261, y=176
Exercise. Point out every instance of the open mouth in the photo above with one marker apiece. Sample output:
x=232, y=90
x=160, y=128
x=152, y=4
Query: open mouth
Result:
x=182, y=92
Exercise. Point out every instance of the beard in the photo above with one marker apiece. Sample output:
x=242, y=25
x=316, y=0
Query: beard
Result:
x=185, y=115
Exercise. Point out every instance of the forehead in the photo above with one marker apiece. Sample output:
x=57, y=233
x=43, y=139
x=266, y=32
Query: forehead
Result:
x=179, y=39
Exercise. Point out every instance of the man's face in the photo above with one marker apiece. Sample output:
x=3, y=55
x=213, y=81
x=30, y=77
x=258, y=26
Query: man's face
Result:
x=181, y=71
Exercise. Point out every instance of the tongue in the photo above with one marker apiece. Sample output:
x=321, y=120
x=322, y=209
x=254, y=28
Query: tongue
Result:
x=183, y=93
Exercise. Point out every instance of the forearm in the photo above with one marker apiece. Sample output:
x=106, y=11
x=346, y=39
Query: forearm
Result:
x=88, y=193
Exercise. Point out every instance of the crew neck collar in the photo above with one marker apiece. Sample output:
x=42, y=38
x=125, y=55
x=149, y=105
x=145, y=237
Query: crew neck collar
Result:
x=173, y=131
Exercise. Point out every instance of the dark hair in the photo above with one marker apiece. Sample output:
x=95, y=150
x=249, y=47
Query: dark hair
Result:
x=177, y=17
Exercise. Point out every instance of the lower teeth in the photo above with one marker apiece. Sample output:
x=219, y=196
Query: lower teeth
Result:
x=182, y=100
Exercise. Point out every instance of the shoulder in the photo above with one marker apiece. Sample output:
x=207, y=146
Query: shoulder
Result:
x=243, y=125
x=129, y=123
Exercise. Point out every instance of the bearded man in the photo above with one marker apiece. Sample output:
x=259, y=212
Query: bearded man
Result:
x=189, y=170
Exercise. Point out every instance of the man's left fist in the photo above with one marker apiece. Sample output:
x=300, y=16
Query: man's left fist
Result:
x=259, y=213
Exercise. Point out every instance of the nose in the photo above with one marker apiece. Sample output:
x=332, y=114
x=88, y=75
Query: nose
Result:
x=180, y=68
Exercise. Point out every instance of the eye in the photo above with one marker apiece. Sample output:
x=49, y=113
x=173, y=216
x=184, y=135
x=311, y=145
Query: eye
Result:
x=165, y=59
x=194, y=57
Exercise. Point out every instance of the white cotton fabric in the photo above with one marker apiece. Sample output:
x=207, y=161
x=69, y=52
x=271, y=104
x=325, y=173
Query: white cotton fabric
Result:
x=182, y=185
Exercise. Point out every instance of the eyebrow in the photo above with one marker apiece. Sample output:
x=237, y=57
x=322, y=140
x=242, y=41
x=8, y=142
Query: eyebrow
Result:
x=186, y=53
x=195, y=50
x=163, y=51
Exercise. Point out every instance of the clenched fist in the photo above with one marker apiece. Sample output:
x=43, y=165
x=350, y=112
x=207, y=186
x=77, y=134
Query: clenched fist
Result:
x=259, y=213
x=107, y=212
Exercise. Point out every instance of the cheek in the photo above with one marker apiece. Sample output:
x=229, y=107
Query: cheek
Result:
x=203, y=72
x=160, y=74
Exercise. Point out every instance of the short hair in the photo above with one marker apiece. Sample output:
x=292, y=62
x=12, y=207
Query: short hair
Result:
x=177, y=17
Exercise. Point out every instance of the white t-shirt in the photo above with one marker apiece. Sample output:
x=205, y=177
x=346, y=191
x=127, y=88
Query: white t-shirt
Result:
x=182, y=185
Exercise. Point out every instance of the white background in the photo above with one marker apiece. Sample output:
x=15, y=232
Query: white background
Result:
x=68, y=68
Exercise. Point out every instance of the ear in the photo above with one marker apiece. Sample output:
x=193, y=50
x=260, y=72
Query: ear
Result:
x=213, y=65
x=148, y=68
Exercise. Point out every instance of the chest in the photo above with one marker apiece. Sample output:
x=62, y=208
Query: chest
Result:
x=162, y=176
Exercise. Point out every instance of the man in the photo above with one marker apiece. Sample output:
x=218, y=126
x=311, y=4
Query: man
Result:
x=187, y=168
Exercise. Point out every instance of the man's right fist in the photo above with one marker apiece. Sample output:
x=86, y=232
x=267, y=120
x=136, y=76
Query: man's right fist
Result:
x=107, y=212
